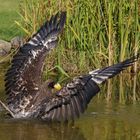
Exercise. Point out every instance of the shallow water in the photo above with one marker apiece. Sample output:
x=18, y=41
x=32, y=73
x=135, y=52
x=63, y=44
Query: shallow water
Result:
x=102, y=121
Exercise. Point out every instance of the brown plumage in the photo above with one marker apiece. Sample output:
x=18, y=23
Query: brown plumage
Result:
x=30, y=97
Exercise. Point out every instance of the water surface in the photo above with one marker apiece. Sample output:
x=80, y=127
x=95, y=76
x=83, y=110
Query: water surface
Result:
x=103, y=120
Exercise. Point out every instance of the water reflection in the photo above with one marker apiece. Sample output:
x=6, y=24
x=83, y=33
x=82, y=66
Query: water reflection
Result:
x=102, y=121
x=113, y=114
x=34, y=130
x=111, y=121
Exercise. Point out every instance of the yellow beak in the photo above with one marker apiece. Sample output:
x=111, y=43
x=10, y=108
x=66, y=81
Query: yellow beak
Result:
x=57, y=86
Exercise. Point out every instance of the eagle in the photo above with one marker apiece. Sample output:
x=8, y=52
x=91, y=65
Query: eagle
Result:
x=28, y=96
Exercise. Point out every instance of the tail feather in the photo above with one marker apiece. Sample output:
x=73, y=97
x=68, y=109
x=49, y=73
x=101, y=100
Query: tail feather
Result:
x=101, y=75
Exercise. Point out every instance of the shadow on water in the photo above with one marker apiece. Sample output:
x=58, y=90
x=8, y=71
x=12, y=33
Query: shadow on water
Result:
x=113, y=114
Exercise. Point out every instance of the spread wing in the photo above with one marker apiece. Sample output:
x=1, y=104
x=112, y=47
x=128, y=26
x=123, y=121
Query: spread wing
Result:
x=70, y=102
x=73, y=99
x=101, y=75
x=23, y=78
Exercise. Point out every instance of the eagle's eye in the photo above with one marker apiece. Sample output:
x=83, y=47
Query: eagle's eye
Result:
x=54, y=85
x=51, y=84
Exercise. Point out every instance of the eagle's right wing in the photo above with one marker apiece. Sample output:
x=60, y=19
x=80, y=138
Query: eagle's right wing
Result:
x=72, y=99
x=70, y=102
x=101, y=75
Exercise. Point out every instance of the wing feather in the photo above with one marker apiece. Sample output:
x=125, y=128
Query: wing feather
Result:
x=24, y=75
x=77, y=94
x=77, y=112
x=101, y=75
x=72, y=100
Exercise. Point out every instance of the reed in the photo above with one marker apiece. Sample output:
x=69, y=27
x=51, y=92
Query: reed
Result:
x=97, y=32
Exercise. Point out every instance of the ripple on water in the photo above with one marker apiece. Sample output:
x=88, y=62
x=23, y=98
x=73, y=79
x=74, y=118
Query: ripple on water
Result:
x=102, y=121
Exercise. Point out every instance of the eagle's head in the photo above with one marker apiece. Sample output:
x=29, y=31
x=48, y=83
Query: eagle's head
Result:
x=54, y=85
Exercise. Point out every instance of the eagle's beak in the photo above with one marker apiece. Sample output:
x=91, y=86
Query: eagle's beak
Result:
x=57, y=86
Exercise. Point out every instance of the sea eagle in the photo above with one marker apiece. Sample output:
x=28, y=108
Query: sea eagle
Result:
x=28, y=96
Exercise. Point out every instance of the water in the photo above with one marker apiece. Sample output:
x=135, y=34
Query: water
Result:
x=103, y=120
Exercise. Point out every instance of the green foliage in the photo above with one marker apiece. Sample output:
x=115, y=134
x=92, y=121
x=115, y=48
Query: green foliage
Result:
x=107, y=30
x=97, y=32
x=8, y=15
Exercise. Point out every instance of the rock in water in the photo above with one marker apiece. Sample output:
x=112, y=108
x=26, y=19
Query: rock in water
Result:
x=17, y=42
x=5, y=47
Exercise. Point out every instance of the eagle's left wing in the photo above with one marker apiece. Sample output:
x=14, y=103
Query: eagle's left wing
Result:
x=23, y=79
x=69, y=102
x=73, y=99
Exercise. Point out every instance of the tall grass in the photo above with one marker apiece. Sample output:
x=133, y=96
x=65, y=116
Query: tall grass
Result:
x=8, y=13
x=97, y=32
